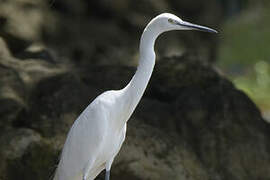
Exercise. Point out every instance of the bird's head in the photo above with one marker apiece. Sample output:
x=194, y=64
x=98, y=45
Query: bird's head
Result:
x=168, y=22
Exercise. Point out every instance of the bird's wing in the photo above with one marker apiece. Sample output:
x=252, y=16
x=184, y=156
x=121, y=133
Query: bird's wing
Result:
x=84, y=139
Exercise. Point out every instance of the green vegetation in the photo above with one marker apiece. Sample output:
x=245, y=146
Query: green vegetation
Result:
x=245, y=53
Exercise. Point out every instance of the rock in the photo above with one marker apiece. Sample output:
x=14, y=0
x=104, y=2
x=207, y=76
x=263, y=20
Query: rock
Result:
x=18, y=79
x=17, y=141
x=23, y=18
x=108, y=32
x=11, y=89
x=217, y=120
x=14, y=143
x=38, y=159
x=191, y=124
x=149, y=153
x=53, y=106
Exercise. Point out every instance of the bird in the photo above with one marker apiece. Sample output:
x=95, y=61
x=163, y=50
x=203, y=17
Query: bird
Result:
x=97, y=135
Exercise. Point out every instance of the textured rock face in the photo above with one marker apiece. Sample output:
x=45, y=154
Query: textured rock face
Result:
x=87, y=31
x=191, y=124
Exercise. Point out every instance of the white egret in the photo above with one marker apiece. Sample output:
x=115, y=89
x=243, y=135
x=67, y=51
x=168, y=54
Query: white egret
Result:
x=97, y=135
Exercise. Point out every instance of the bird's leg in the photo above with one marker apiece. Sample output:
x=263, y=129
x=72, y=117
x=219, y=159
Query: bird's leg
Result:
x=108, y=168
x=107, y=175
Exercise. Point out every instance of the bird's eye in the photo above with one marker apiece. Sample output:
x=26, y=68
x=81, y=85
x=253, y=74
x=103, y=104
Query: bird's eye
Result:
x=170, y=20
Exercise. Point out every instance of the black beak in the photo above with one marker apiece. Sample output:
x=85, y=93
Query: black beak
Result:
x=196, y=27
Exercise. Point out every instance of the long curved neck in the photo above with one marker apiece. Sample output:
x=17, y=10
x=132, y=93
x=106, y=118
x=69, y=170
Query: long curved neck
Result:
x=136, y=87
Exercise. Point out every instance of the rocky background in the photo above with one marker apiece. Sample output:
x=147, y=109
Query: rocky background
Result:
x=192, y=123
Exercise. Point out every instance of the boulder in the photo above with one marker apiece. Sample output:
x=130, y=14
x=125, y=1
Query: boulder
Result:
x=191, y=124
x=57, y=56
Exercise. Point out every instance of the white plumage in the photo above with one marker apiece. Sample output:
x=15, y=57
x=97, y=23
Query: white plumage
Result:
x=97, y=135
